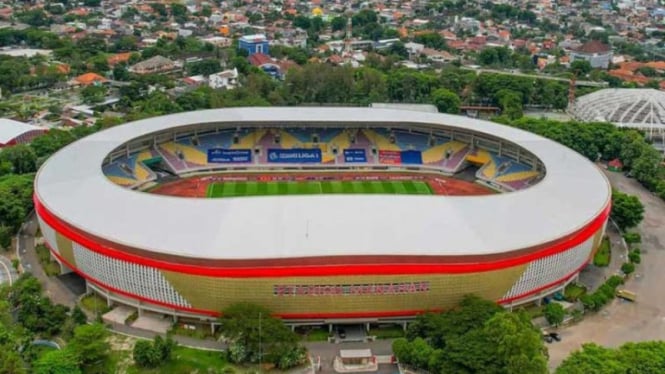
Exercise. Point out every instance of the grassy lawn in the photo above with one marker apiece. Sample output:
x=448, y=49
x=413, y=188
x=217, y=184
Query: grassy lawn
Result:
x=573, y=292
x=387, y=332
x=188, y=360
x=94, y=303
x=201, y=332
x=602, y=256
x=50, y=267
x=315, y=335
x=535, y=311
x=231, y=189
x=41, y=350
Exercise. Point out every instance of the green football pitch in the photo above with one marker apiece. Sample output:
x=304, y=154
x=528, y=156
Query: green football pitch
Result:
x=231, y=189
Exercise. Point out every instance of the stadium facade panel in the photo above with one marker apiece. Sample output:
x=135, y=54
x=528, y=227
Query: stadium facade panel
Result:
x=410, y=254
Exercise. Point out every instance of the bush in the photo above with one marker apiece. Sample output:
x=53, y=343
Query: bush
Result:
x=628, y=268
x=573, y=292
x=152, y=354
x=632, y=237
x=634, y=257
x=554, y=313
x=603, y=294
x=602, y=256
x=145, y=355
x=614, y=281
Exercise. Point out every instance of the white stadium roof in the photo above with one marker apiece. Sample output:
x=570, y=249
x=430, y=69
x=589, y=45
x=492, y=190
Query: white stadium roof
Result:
x=72, y=186
x=626, y=107
x=10, y=129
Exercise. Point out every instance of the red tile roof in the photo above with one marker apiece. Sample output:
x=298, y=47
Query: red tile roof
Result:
x=259, y=59
x=594, y=46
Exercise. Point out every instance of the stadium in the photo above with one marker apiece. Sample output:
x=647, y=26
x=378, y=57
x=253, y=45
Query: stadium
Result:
x=320, y=214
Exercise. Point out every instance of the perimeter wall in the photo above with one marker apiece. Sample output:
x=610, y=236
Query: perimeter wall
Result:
x=325, y=291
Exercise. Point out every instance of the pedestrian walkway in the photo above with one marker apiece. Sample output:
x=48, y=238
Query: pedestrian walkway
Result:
x=8, y=274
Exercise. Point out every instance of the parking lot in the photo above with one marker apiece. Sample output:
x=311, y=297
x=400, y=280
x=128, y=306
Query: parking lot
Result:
x=623, y=321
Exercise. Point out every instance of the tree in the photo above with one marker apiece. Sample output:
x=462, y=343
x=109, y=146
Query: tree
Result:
x=145, y=355
x=580, y=67
x=57, y=362
x=431, y=40
x=240, y=323
x=21, y=157
x=519, y=344
x=476, y=337
x=446, y=101
x=627, y=210
x=90, y=346
x=78, y=316
x=93, y=94
x=204, y=67
x=510, y=103
x=11, y=363
x=338, y=23
x=120, y=73
x=643, y=357
x=554, y=313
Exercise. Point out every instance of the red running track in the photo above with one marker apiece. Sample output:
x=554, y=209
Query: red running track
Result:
x=440, y=185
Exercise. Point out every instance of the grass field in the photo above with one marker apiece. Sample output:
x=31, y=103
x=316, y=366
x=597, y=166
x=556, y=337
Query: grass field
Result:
x=231, y=189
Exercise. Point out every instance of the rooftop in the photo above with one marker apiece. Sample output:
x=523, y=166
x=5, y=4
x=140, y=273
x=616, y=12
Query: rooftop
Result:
x=71, y=184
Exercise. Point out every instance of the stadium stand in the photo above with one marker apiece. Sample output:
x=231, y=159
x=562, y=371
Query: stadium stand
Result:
x=249, y=140
x=381, y=141
x=479, y=157
x=412, y=141
x=190, y=152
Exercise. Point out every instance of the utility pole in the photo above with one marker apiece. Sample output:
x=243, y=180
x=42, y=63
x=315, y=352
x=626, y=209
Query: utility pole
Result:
x=260, y=346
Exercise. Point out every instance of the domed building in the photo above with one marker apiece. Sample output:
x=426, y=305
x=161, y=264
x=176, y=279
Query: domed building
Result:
x=642, y=108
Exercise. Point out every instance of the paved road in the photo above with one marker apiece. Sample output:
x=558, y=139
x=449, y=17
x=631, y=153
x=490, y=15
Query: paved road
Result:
x=623, y=321
x=539, y=76
x=54, y=287
x=7, y=272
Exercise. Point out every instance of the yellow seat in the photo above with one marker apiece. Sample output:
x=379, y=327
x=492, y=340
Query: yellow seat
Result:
x=489, y=170
x=438, y=152
x=479, y=157
x=122, y=181
x=521, y=175
x=380, y=141
x=249, y=141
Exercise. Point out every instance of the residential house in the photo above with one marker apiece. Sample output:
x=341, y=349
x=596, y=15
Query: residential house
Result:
x=257, y=43
x=227, y=79
x=154, y=65
x=88, y=79
x=598, y=54
x=265, y=63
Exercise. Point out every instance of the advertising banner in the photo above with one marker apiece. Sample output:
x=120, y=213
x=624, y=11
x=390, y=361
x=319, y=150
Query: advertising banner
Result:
x=294, y=156
x=355, y=155
x=412, y=157
x=229, y=156
x=390, y=157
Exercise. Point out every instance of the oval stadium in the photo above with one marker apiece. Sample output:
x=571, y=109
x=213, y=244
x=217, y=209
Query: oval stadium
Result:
x=320, y=214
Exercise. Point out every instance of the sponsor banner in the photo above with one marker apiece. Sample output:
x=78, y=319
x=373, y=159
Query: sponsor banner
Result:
x=296, y=155
x=351, y=289
x=412, y=157
x=229, y=156
x=390, y=157
x=355, y=155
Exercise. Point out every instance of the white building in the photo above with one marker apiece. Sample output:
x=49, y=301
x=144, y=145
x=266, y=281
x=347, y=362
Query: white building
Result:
x=227, y=79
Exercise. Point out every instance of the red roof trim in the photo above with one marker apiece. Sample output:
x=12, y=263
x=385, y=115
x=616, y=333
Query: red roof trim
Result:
x=323, y=270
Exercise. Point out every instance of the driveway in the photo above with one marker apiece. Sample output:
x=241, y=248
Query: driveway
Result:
x=622, y=321
x=7, y=272
x=54, y=287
